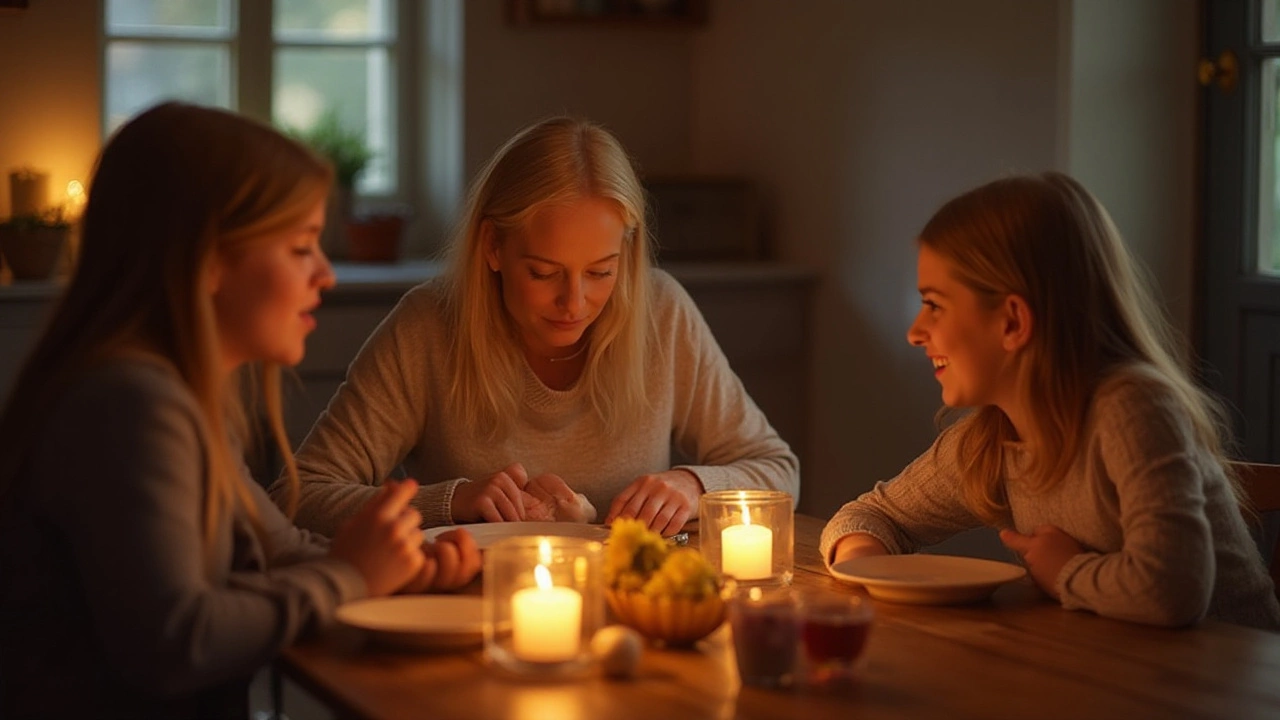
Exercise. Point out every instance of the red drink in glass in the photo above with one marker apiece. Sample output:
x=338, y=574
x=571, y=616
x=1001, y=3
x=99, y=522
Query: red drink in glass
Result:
x=833, y=631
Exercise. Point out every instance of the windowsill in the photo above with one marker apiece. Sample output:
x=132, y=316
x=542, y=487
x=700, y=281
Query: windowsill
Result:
x=381, y=277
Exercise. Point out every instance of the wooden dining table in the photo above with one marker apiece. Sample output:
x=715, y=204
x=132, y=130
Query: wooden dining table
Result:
x=1016, y=655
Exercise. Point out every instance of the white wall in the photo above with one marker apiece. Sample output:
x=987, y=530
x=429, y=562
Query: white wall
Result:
x=860, y=119
x=49, y=94
x=635, y=80
x=1132, y=130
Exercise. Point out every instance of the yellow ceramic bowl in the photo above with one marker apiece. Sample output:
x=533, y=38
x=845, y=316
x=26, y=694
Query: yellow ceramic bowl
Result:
x=668, y=620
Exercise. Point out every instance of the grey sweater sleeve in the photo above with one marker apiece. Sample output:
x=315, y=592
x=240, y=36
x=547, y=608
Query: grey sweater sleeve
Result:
x=1164, y=573
x=715, y=421
x=129, y=454
x=371, y=424
x=921, y=506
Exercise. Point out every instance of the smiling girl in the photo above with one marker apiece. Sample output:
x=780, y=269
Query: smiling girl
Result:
x=1087, y=443
x=145, y=574
x=549, y=359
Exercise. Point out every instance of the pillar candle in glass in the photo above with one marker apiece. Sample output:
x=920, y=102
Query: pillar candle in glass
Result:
x=748, y=535
x=543, y=602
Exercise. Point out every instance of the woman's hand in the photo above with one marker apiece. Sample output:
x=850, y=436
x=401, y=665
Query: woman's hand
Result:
x=452, y=561
x=383, y=540
x=1045, y=551
x=664, y=501
x=548, y=498
x=495, y=499
x=855, y=545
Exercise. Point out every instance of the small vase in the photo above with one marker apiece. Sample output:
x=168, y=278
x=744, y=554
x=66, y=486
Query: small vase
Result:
x=375, y=239
x=33, y=253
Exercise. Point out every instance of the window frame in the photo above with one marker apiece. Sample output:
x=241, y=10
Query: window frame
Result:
x=251, y=47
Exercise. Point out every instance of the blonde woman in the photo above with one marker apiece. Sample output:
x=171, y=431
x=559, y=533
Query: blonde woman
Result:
x=549, y=360
x=1088, y=444
x=145, y=575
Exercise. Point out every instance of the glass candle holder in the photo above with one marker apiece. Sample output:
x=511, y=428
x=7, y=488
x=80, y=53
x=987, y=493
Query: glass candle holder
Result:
x=748, y=535
x=543, y=602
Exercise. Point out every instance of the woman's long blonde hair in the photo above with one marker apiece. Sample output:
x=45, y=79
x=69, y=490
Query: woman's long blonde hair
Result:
x=173, y=189
x=555, y=161
x=1047, y=240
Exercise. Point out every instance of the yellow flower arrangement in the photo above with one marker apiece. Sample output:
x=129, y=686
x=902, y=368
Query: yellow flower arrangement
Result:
x=670, y=594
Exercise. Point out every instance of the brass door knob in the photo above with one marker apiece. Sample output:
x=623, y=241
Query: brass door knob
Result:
x=1225, y=71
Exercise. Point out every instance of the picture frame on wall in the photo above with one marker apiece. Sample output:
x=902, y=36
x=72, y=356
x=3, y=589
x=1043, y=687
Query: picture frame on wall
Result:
x=666, y=13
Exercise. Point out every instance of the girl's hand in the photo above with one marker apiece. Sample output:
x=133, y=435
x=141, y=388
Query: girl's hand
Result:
x=495, y=499
x=664, y=501
x=1044, y=552
x=452, y=561
x=855, y=545
x=383, y=540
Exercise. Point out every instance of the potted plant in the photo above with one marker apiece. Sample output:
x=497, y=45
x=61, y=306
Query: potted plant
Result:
x=347, y=150
x=34, y=245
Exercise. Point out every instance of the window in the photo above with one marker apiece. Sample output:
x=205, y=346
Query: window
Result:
x=291, y=61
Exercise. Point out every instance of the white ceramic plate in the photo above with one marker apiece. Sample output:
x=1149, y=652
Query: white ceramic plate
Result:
x=487, y=534
x=423, y=621
x=927, y=579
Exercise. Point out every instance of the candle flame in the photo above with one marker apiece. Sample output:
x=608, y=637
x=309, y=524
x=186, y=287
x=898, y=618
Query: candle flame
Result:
x=544, y=551
x=543, y=576
x=746, y=514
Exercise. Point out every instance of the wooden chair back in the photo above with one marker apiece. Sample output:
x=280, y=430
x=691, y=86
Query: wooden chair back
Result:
x=1261, y=483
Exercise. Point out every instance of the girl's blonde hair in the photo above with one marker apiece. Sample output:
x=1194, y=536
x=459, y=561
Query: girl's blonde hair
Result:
x=1047, y=240
x=174, y=189
x=554, y=162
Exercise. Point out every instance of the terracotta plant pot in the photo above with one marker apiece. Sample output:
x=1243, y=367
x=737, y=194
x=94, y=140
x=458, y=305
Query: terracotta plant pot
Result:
x=33, y=253
x=375, y=239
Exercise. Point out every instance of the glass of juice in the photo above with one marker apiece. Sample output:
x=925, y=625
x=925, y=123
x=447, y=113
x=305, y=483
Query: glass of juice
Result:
x=765, y=634
x=833, y=636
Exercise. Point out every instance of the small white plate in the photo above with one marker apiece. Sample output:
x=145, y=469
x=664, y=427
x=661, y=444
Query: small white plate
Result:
x=927, y=579
x=487, y=534
x=422, y=621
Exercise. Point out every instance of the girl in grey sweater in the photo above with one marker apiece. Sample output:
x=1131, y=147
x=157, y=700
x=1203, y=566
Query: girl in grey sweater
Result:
x=1088, y=445
x=144, y=573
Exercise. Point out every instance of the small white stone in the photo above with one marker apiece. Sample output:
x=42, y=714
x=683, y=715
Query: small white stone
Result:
x=617, y=648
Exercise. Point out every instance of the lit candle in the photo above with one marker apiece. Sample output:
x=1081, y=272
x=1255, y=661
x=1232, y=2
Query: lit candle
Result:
x=746, y=549
x=546, y=621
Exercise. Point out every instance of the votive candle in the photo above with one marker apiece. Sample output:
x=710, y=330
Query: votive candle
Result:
x=546, y=621
x=746, y=549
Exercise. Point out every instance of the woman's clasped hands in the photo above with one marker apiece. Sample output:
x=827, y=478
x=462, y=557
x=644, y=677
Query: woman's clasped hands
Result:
x=664, y=501
x=509, y=495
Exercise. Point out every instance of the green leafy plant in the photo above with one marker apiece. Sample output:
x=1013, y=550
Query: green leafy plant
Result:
x=345, y=148
x=52, y=219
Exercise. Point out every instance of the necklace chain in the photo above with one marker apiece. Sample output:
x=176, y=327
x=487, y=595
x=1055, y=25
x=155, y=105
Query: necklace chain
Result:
x=569, y=357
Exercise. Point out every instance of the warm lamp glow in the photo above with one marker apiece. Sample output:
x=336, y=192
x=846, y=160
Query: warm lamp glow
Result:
x=76, y=199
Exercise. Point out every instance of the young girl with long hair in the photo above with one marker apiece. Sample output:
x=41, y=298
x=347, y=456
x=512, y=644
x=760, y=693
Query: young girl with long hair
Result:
x=144, y=573
x=1088, y=444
